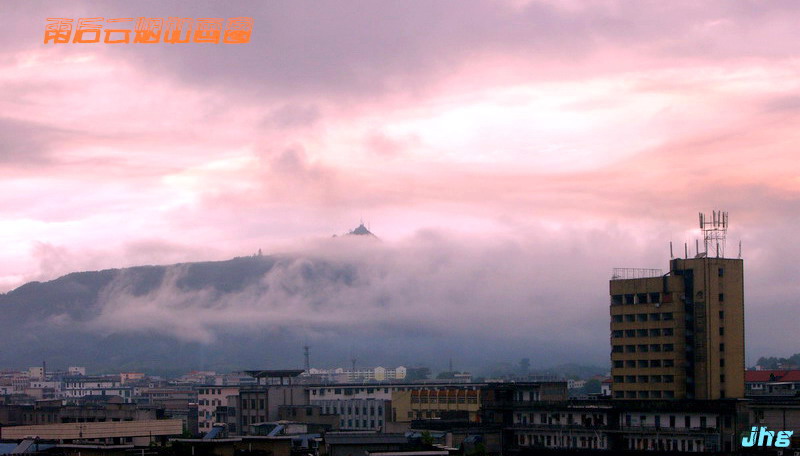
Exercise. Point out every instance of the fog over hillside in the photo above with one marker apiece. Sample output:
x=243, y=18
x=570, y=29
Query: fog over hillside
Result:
x=423, y=300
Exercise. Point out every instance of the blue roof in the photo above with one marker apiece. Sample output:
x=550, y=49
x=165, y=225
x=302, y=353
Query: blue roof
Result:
x=213, y=433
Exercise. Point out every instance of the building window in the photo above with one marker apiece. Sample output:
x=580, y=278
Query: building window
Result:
x=669, y=347
x=616, y=318
x=616, y=300
x=667, y=331
x=641, y=333
x=721, y=315
x=630, y=317
x=630, y=333
x=721, y=297
x=722, y=347
x=666, y=316
x=642, y=363
x=630, y=363
x=721, y=331
x=722, y=362
x=641, y=317
x=641, y=298
x=720, y=272
x=616, y=333
x=655, y=363
x=722, y=378
x=655, y=297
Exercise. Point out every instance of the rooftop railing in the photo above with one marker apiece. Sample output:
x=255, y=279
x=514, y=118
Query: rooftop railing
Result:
x=635, y=273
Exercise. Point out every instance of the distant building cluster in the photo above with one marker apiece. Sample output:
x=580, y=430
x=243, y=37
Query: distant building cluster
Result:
x=342, y=375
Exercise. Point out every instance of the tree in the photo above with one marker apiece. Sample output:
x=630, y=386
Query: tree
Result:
x=417, y=373
x=524, y=365
x=592, y=386
x=478, y=450
x=779, y=363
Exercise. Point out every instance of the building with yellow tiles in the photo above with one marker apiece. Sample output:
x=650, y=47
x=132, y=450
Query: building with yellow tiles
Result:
x=433, y=403
x=678, y=335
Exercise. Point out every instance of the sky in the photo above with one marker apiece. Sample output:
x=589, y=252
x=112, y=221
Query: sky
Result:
x=570, y=137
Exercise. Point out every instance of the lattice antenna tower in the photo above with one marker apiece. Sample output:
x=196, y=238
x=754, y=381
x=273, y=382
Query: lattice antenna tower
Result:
x=715, y=230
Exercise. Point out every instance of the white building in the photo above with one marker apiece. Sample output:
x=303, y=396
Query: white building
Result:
x=365, y=374
x=80, y=386
x=36, y=373
x=605, y=387
x=357, y=414
x=576, y=384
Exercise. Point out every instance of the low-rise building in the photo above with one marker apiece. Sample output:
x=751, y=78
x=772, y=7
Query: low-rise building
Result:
x=216, y=405
x=785, y=383
x=675, y=426
x=139, y=432
x=79, y=386
x=357, y=414
x=317, y=418
x=433, y=403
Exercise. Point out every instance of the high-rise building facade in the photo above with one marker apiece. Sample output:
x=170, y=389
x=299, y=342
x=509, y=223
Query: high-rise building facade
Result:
x=678, y=335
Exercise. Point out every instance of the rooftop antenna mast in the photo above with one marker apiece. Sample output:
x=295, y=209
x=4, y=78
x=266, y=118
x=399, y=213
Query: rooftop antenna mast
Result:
x=715, y=231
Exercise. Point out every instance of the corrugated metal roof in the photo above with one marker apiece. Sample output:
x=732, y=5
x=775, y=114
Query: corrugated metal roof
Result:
x=6, y=448
x=772, y=376
x=364, y=439
x=274, y=373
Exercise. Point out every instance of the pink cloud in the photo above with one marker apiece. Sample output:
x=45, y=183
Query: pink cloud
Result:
x=480, y=117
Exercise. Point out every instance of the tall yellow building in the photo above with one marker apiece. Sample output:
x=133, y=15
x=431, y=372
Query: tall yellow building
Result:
x=679, y=335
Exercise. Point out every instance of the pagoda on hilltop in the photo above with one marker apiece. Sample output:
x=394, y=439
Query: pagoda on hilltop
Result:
x=361, y=230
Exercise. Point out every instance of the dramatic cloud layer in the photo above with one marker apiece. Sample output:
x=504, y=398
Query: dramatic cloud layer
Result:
x=588, y=133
